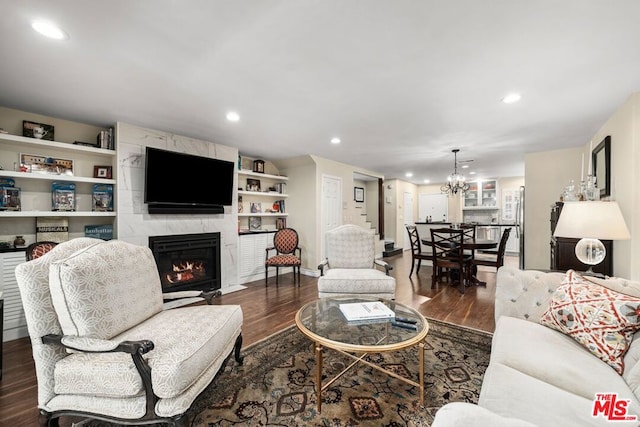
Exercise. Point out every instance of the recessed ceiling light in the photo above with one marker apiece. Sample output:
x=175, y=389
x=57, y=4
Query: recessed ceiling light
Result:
x=426, y=181
x=49, y=30
x=232, y=116
x=465, y=166
x=511, y=98
x=335, y=140
x=472, y=173
x=408, y=174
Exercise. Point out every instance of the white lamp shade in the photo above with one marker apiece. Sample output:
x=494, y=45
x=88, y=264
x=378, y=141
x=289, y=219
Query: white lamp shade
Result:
x=592, y=219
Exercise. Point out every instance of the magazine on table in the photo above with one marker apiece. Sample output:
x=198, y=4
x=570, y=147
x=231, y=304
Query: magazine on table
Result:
x=366, y=311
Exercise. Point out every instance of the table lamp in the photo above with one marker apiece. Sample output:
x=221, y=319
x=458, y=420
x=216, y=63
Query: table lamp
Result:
x=591, y=221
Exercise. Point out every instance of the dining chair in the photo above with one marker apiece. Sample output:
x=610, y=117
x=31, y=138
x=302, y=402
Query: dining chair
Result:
x=494, y=260
x=448, y=251
x=416, y=249
x=288, y=254
x=469, y=231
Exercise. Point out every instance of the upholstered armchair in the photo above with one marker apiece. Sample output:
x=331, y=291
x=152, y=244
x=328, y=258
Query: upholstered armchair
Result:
x=103, y=346
x=350, y=265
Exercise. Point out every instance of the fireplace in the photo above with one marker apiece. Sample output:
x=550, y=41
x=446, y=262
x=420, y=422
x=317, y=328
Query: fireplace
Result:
x=187, y=261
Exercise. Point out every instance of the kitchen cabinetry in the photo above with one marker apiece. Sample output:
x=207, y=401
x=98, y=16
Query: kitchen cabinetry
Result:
x=263, y=196
x=482, y=194
x=36, y=187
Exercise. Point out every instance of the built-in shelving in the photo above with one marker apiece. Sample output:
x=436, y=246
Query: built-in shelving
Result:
x=21, y=142
x=262, y=175
x=34, y=184
x=31, y=214
x=49, y=177
x=276, y=214
x=259, y=193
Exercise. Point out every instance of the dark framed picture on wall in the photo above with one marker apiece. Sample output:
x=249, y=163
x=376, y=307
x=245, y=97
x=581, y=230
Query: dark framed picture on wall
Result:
x=358, y=194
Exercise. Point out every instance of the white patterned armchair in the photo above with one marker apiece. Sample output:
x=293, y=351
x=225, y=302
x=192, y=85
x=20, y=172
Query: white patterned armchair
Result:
x=104, y=347
x=350, y=266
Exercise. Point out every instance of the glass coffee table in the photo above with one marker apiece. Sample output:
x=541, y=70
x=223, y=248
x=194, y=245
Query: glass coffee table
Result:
x=323, y=323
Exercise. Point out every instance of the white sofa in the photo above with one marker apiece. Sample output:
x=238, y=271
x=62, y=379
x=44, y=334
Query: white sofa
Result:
x=538, y=376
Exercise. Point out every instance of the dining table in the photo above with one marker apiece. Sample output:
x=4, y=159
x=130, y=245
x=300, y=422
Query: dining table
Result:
x=473, y=245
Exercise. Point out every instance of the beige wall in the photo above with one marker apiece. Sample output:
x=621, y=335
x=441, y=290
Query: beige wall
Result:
x=624, y=128
x=304, y=214
x=64, y=130
x=546, y=173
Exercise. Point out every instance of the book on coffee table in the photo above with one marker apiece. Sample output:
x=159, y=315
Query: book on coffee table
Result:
x=366, y=311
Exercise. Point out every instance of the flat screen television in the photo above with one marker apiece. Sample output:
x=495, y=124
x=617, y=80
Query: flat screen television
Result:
x=183, y=183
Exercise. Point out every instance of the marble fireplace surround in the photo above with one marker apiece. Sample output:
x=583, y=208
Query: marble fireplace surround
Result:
x=133, y=221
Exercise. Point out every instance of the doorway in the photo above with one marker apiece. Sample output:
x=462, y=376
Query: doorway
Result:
x=407, y=214
x=331, y=206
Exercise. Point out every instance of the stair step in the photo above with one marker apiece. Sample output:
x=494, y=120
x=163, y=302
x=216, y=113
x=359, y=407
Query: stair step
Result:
x=392, y=252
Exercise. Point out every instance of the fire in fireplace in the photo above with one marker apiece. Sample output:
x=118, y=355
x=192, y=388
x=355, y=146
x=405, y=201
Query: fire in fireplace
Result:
x=187, y=261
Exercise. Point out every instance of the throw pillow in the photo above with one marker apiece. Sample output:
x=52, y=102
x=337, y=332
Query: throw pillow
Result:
x=599, y=318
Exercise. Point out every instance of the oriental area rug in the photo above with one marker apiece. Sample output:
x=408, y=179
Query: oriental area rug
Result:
x=276, y=384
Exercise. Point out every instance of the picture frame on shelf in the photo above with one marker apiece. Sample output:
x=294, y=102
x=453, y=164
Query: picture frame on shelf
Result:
x=255, y=223
x=37, y=130
x=104, y=172
x=258, y=166
x=34, y=163
x=256, y=207
x=253, y=184
x=358, y=194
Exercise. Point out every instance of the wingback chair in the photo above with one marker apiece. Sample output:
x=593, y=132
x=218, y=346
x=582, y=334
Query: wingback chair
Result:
x=350, y=265
x=103, y=346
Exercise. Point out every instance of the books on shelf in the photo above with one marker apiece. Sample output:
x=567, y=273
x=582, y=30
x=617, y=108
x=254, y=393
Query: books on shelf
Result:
x=52, y=229
x=366, y=311
x=102, y=198
x=104, y=232
x=63, y=196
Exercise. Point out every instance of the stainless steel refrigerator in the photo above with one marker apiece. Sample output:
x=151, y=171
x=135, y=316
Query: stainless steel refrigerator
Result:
x=520, y=231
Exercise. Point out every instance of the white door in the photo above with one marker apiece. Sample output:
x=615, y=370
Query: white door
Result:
x=407, y=214
x=434, y=205
x=331, y=205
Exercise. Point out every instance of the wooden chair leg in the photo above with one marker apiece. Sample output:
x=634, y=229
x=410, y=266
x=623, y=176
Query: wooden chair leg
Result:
x=266, y=276
x=413, y=263
x=277, y=274
x=299, y=276
x=419, y=264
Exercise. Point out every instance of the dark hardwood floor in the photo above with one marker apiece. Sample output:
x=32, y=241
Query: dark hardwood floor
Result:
x=266, y=311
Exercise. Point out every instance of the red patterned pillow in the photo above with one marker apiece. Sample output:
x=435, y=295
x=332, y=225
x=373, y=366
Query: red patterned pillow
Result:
x=600, y=319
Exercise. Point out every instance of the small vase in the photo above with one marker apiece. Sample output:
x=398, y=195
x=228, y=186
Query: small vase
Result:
x=19, y=241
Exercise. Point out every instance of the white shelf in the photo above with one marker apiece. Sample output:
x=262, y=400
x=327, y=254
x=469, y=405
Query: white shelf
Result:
x=31, y=214
x=259, y=193
x=48, y=177
x=246, y=172
x=24, y=142
x=263, y=214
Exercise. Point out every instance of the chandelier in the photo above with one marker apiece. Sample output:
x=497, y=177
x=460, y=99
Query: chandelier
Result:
x=455, y=181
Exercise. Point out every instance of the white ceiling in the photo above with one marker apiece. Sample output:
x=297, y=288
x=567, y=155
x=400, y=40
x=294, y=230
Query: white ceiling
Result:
x=401, y=82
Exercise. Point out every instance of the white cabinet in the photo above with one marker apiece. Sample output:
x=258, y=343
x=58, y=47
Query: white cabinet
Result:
x=36, y=187
x=251, y=253
x=262, y=196
x=509, y=204
x=481, y=195
x=15, y=323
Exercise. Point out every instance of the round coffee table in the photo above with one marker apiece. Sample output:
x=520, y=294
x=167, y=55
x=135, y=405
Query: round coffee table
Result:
x=323, y=323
